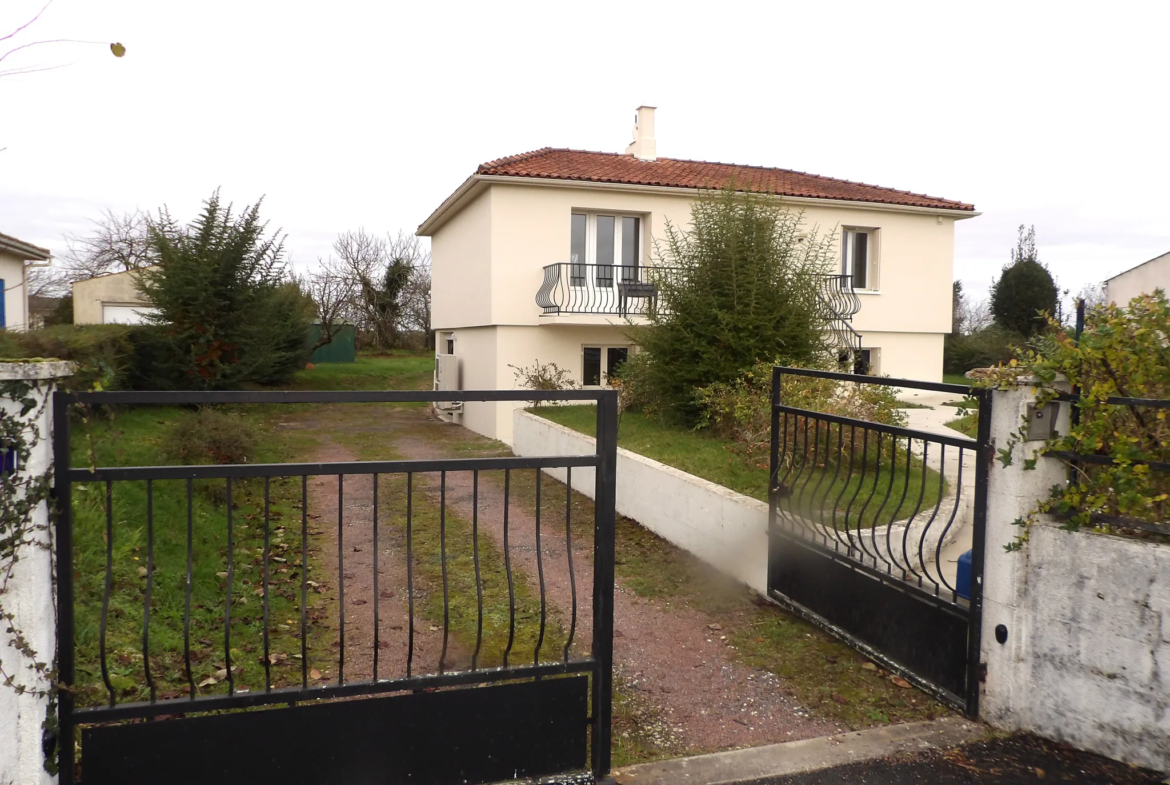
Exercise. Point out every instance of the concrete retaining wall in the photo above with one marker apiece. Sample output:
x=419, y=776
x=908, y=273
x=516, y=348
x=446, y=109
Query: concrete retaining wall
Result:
x=726, y=529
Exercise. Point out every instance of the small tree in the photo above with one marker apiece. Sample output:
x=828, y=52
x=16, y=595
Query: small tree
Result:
x=742, y=290
x=222, y=295
x=1025, y=294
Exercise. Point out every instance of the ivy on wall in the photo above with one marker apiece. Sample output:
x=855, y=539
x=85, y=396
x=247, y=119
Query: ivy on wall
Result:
x=1124, y=352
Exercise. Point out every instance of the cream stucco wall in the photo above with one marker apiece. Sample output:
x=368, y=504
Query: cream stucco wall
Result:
x=12, y=272
x=1143, y=279
x=488, y=262
x=115, y=289
x=461, y=292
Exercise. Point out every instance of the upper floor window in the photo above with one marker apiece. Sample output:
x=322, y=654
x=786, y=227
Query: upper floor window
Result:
x=604, y=241
x=858, y=257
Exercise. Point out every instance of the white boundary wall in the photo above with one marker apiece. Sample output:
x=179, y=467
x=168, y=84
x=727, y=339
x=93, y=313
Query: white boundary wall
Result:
x=1086, y=659
x=726, y=529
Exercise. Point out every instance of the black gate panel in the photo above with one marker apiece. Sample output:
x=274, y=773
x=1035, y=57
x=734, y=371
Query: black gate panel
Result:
x=929, y=639
x=487, y=734
x=864, y=520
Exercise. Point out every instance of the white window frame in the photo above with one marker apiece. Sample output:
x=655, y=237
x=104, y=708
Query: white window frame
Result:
x=875, y=359
x=872, y=282
x=591, y=240
x=604, y=374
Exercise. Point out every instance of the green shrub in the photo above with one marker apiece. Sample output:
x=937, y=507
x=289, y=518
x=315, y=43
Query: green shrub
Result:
x=102, y=352
x=990, y=346
x=742, y=410
x=743, y=288
x=210, y=436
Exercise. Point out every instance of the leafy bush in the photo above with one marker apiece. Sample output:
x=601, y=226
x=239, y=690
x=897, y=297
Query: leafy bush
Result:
x=210, y=436
x=1122, y=353
x=103, y=352
x=543, y=376
x=222, y=293
x=742, y=410
x=743, y=288
x=982, y=349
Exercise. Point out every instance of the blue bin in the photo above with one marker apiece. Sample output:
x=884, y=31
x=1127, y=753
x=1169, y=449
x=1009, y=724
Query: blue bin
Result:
x=963, y=576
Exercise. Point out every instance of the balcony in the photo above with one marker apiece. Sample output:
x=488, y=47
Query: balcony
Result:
x=600, y=289
x=631, y=292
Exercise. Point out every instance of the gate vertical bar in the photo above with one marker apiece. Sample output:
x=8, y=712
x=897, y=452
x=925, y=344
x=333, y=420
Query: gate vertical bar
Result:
x=773, y=471
x=63, y=497
x=603, y=580
x=984, y=455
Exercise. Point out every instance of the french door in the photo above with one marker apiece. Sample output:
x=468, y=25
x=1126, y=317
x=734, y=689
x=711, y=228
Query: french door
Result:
x=600, y=242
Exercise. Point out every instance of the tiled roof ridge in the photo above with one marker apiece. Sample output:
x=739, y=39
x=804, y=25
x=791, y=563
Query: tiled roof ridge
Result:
x=514, y=160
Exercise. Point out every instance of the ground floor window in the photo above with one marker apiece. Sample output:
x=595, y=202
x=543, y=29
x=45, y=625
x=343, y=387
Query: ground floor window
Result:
x=598, y=363
x=867, y=362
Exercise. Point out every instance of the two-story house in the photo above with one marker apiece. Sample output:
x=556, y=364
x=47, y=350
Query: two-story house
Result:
x=546, y=256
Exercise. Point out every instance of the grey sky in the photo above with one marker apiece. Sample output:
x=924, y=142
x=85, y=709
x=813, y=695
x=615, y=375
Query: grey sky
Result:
x=351, y=114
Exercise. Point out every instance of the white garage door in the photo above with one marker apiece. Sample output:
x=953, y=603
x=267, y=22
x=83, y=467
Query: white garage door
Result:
x=125, y=314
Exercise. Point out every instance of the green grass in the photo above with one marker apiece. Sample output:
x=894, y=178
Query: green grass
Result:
x=815, y=491
x=912, y=405
x=968, y=424
x=956, y=378
x=133, y=438
x=402, y=371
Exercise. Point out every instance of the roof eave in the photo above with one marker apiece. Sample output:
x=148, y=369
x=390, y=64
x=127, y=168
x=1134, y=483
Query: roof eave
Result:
x=25, y=251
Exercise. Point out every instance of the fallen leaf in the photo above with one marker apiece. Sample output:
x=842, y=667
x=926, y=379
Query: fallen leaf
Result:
x=869, y=666
x=315, y=674
x=359, y=602
x=714, y=626
x=221, y=575
x=118, y=49
x=208, y=682
x=221, y=674
x=840, y=699
x=1039, y=773
x=142, y=572
x=900, y=682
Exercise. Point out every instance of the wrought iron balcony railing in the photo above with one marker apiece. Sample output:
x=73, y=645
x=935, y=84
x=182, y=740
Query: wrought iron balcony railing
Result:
x=602, y=289
x=626, y=290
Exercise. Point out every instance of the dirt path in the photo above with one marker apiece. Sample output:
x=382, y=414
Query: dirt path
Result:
x=674, y=658
x=356, y=538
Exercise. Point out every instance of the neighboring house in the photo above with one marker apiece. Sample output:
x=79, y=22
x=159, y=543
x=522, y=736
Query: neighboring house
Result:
x=544, y=256
x=16, y=256
x=109, y=299
x=1143, y=279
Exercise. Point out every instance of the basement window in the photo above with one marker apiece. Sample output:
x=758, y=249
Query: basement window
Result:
x=599, y=363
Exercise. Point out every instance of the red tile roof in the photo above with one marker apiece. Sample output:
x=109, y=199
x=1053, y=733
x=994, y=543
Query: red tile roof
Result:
x=561, y=164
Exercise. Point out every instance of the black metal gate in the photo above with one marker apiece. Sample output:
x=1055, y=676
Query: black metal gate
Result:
x=136, y=699
x=861, y=514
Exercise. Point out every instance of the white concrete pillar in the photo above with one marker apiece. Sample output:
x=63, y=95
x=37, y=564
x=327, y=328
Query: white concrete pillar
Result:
x=1013, y=492
x=28, y=594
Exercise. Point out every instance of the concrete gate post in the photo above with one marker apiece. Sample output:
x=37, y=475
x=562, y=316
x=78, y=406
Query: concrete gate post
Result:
x=1013, y=492
x=26, y=593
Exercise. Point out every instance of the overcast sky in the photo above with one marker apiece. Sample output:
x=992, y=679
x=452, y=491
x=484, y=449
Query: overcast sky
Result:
x=351, y=114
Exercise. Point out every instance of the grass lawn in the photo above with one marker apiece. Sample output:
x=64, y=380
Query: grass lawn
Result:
x=132, y=438
x=398, y=371
x=968, y=424
x=956, y=378
x=815, y=491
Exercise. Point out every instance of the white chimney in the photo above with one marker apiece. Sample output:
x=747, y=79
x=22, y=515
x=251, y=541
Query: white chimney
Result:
x=643, y=146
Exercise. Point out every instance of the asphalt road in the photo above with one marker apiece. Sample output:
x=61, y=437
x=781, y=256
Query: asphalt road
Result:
x=1017, y=759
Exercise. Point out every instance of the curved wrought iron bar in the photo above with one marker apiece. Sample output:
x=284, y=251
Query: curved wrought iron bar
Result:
x=812, y=467
x=951, y=522
x=787, y=500
x=844, y=488
x=877, y=516
x=877, y=475
x=819, y=508
x=942, y=466
x=829, y=487
x=902, y=501
x=857, y=490
x=917, y=509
